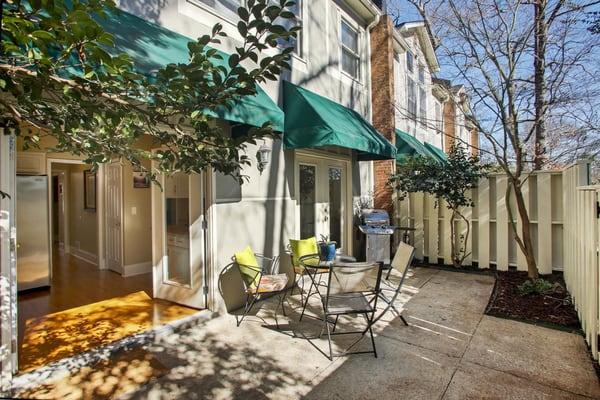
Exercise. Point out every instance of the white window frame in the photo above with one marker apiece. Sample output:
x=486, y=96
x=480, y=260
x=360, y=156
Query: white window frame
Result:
x=439, y=118
x=354, y=27
x=213, y=11
x=410, y=67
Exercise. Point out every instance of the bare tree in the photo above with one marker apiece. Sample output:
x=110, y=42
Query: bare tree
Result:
x=529, y=79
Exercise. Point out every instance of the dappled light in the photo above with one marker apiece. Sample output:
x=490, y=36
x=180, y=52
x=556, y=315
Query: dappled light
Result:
x=66, y=333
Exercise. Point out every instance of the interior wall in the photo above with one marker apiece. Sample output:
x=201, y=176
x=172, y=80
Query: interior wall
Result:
x=137, y=221
x=83, y=225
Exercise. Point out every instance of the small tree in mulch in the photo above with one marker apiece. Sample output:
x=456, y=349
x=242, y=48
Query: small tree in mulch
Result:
x=450, y=181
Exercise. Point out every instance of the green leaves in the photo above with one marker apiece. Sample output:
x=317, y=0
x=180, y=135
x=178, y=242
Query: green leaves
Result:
x=61, y=72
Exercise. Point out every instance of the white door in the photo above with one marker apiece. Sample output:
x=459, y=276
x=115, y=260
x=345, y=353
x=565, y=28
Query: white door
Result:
x=113, y=217
x=178, y=231
x=8, y=267
x=323, y=199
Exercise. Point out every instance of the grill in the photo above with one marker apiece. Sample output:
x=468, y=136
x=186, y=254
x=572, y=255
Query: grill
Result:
x=376, y=226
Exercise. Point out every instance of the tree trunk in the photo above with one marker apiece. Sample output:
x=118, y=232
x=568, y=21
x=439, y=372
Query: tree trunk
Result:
x=539, y=64
x=525, y=242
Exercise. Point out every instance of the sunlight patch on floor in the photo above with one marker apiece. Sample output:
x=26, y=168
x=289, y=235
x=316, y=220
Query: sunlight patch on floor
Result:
x=67, y=333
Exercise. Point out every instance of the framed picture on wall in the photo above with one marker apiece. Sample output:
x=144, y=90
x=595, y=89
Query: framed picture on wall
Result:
x=140, y=179
x=89, y=190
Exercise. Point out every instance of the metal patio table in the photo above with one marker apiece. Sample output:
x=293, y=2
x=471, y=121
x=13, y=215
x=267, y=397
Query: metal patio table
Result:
x=312, y=263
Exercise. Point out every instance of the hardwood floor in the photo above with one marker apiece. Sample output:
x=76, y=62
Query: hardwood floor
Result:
x=85, y=307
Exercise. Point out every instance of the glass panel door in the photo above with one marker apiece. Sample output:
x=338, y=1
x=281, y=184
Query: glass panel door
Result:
x=307, y=200
x=179, y=239
x=322, y=197
x=336, y=201
x=177, y=223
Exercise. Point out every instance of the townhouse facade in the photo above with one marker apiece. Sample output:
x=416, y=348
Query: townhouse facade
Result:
x=356, y=83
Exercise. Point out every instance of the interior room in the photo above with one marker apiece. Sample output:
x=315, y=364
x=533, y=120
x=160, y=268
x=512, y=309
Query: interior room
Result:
x=68, y=304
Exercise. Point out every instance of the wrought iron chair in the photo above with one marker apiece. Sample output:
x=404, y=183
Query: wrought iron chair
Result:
x=300, y=272
x=401, y=262
x=259, y=279
x=352, y=289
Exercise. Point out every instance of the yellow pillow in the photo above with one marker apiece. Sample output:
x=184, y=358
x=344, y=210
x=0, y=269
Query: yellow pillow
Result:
x=249, y=267
x=302, y=248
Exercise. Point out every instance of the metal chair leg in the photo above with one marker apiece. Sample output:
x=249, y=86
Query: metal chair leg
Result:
x=328, y=338
x=282, y=303
x=247, y=308
x=373, y=342
x=403, y=320
x=306, y=301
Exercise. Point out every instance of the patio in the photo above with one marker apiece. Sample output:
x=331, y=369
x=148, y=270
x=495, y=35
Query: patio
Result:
x=449, y=351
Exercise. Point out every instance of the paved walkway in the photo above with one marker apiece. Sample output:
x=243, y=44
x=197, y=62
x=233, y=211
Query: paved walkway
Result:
x=449, y=351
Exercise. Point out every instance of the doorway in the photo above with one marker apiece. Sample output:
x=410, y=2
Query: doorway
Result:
x=323, y=197
x=179, y=228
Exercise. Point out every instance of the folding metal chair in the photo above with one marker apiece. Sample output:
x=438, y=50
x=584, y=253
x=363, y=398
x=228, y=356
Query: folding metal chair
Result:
x=352, y=289
x=266, y=284
x=401, y=262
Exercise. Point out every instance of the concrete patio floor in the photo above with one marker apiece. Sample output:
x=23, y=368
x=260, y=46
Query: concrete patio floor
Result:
x=450, y=350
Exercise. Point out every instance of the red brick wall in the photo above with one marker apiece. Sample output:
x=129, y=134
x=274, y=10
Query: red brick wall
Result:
x=382, y=92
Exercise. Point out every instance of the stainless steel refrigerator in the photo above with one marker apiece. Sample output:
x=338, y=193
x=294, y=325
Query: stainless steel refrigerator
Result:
x=33, y=236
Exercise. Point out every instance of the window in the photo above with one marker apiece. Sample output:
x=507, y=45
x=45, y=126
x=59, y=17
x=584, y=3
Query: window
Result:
x=422, y=75
x=410, y=61
x=422, y=105
x=439, y=123
x=350, y=55
x=411, y=97
x=288, y=23
x=225, y=8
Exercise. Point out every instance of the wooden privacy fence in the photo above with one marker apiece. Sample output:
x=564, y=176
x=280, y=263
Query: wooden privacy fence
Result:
x=581, y=260
x=549, y=198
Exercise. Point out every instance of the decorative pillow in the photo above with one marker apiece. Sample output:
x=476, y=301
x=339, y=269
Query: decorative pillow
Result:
x=249, y=267
x=302, y=248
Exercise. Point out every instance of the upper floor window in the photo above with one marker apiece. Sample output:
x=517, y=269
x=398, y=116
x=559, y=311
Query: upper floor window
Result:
x=350, y=55
x=422, y=75
x=411, y=96
x=410, y=61
x=225, y=8
x=439, y=122
x=296, y=43
x=422, y=105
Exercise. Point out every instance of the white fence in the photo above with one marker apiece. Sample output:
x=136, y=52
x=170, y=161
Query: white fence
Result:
x=549, y=198
x=581, y=260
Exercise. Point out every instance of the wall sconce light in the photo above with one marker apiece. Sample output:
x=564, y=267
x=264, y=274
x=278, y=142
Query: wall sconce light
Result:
x=263, y=157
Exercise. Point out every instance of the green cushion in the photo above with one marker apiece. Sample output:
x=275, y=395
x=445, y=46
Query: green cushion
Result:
x=249, y=267
x=302, y=248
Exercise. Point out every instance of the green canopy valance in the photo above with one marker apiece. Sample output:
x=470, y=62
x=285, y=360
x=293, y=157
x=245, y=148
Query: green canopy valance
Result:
x=152, y=47
x=408, y=145
x=313, y=121
x=437, y=152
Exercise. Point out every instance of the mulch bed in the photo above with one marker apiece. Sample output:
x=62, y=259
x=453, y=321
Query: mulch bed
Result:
x=553, y=309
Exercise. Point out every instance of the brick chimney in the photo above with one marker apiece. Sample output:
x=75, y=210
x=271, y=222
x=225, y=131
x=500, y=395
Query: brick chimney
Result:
x=382, y=93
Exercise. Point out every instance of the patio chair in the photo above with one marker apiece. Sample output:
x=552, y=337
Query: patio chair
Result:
x=352, y=289
x=401, y=262
x=297, y=249
x=260, y=280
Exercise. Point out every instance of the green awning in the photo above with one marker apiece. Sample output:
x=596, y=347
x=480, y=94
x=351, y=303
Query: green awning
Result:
x=152, y=47
x=408, y=145
x=437, y=152
x=313, y=121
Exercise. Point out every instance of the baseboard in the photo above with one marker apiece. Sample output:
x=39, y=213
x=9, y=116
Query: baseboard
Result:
x=137, y=269
x=84, y=255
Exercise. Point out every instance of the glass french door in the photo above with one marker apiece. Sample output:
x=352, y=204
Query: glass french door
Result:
x=178, y=239
x=323, y=199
